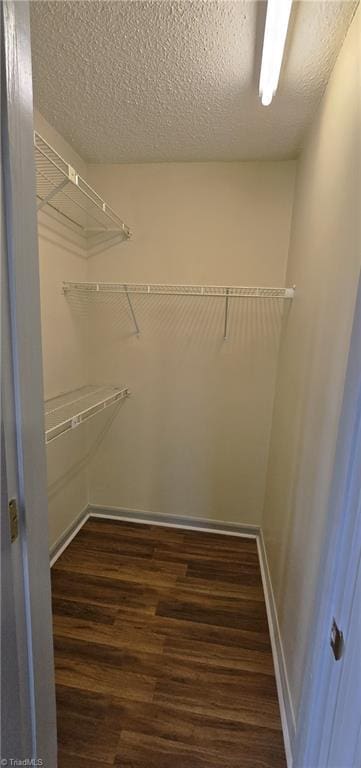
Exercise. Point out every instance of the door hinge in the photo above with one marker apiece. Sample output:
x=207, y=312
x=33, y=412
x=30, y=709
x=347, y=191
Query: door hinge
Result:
x=14, y=520
x=336, y=641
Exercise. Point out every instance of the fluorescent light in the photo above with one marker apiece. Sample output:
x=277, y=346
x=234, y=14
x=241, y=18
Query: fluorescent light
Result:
x=278, y=16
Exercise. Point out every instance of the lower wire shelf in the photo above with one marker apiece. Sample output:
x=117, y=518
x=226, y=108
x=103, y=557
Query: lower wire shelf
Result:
x=71, y=409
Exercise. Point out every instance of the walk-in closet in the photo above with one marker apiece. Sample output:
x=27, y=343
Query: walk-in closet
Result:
x=196, y=170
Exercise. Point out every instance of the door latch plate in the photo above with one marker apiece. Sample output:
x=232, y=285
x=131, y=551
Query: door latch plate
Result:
x=14, y=520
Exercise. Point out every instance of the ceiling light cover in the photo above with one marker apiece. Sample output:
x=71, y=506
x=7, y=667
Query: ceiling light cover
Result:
x=277, y=19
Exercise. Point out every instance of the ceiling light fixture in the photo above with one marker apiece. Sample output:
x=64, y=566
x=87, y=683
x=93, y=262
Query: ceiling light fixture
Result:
x=278, y=16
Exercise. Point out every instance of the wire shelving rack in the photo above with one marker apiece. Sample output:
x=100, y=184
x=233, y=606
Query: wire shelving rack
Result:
x=227, y=293
x=68, y=411
x=181, y=290
x=60, y=189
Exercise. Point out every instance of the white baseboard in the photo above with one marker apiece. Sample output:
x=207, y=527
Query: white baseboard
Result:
x=64, y=540
x=174, y=521
x=137, y=516
x=283, y=688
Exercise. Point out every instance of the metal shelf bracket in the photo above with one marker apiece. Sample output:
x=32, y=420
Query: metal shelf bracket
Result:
x=136, y=326
x=226, y=307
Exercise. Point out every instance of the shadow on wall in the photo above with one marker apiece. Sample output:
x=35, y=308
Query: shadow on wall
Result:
x=193, y=438
x=88, y=450
x=191, y=321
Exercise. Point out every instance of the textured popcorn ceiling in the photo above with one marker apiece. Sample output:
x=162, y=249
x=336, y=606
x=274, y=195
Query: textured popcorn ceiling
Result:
x=134, y=81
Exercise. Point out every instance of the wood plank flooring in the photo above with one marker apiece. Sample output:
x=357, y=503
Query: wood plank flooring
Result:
x=162, y=651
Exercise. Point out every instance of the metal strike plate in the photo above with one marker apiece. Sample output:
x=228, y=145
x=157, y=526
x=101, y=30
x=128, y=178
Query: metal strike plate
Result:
x=336, y=641
x=13, y=519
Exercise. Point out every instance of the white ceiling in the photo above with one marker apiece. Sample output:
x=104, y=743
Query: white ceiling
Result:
x=157, y=80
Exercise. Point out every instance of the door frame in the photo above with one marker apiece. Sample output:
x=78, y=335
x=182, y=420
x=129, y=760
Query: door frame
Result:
x=24, y=298
x=337, y=574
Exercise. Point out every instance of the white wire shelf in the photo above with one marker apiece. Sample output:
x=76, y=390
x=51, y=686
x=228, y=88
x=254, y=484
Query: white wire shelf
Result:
x=69, y=410
x=180, y=290
x=60, y=188
x=156, y=289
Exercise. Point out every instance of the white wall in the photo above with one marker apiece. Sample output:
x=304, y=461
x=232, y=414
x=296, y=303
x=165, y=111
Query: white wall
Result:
x=64, y=353
x=324, y=263
x=193, y=439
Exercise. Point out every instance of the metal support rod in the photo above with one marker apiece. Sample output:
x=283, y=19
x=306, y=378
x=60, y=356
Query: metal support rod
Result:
x=52, y=194
x=226, y=316
x=137, y=329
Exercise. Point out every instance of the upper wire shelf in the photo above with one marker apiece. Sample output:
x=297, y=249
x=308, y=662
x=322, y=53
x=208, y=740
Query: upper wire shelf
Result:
x=181, y=290
x=71, y=409
x=65, y=192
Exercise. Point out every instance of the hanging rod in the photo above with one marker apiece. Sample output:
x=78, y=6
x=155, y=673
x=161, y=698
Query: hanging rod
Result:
x=62, y=189
x=225, y=292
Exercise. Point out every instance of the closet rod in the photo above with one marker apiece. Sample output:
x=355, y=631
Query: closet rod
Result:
x=225, y=292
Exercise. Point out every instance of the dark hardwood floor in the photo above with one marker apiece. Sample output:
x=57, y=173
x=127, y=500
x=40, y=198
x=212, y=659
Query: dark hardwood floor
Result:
x=162, y=651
